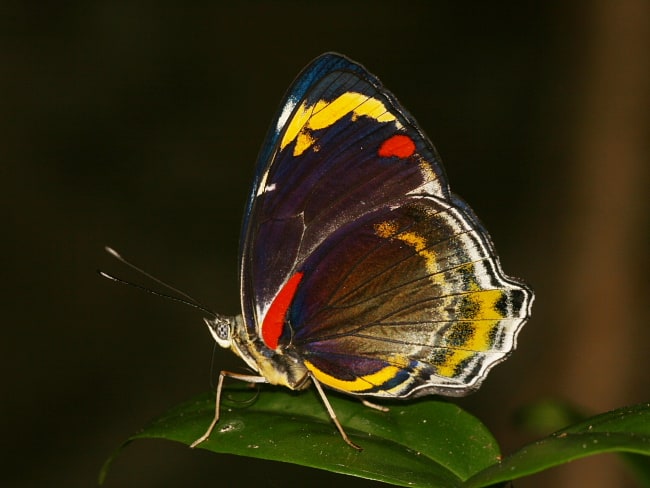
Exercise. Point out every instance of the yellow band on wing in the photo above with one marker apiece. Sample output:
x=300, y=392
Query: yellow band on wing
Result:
x=448, y=368
x=476, y=318
x=480, y=327
x=323, y=114
x=389, y=229
x=360, y=384
x=487, y=304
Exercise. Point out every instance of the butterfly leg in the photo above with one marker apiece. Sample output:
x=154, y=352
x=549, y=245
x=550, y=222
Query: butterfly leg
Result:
x=332, y=414
x=217, y=407
x=374, y=406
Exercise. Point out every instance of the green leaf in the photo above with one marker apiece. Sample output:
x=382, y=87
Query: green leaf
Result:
x=624, y=430
x=428, y=443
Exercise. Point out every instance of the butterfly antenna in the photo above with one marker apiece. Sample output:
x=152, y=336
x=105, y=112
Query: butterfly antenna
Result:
x=182, y=297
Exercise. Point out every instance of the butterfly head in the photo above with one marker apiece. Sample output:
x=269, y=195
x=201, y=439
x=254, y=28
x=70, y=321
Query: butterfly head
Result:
x=221, y=328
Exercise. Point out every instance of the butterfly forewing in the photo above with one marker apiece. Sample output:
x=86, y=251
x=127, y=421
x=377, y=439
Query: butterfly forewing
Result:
x=330, y=161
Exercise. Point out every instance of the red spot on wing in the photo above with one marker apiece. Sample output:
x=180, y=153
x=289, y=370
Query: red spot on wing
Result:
x=398, y=145
x=274, y=320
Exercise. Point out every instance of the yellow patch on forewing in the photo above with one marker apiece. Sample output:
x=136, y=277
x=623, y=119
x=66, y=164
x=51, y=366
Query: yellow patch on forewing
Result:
x=362, y=383
x=304, y=141
x=298, y=121
x=322, y=114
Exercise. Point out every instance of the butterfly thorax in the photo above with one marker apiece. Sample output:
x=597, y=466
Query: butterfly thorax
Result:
x=282, y=366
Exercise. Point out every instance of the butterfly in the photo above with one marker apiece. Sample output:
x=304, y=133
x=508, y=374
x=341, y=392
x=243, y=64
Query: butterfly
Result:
x=360, y=271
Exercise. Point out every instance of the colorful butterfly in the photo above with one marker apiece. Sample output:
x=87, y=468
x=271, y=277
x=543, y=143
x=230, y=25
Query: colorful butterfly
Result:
x=360, y=270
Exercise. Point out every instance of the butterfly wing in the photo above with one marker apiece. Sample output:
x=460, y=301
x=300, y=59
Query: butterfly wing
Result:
x=319, y=169
x=356, y=255
x=407, y=300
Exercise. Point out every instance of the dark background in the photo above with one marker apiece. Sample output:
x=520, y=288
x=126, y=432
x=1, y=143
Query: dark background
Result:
x=137, y=124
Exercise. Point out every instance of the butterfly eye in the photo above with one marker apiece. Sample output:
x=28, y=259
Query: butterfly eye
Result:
x=220, y=328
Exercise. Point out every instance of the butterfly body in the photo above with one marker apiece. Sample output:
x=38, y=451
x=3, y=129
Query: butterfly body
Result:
x=278, y=367
x=360, y=270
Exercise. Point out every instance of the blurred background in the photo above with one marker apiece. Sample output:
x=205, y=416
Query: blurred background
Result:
x=137, y=125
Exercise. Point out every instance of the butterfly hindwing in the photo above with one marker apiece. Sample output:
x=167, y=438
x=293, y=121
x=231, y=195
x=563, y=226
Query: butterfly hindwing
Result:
x=405, y=301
